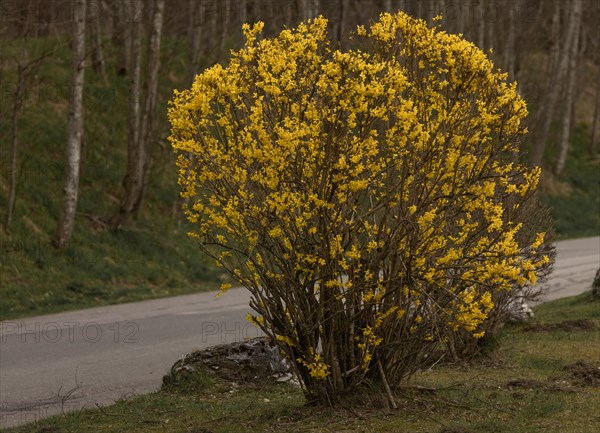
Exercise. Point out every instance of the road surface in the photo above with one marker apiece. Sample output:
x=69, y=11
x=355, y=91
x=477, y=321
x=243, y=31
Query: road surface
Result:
x=64, y=362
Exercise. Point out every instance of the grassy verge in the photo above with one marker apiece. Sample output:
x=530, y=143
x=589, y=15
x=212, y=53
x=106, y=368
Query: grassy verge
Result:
x=544, y=377
x=574, y=197
x=150, y=257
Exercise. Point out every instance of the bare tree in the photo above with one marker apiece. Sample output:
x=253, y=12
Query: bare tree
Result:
x=558, y=76
x=572, y=53
x=140, y=128
x=243, y=11
x=596, y=124
x=510, y=48
x=96, y=36
x=343, y=18
x=480, y=24
x=25, y=67
x=309, y=9
x=196, y=17
x=595, y=43
x=75, y=128
x=135, y=162
x=124, y=19
x=225, y=24
x=489, y=15
x=14, y=145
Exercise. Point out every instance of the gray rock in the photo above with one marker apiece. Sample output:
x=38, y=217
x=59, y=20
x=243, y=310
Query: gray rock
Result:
x=253, y=360
x=519, y=310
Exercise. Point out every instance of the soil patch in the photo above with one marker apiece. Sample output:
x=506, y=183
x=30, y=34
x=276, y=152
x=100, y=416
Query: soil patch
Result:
x=455, y=430
x=583, y=374
x=526, y=384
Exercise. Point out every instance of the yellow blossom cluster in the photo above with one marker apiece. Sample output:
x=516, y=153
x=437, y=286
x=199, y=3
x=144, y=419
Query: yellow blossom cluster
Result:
x=316, y=368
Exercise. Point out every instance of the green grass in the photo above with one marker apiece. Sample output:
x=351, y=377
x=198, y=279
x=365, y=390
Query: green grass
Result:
x=575, y=204
x=520, y=388
x=150, y=257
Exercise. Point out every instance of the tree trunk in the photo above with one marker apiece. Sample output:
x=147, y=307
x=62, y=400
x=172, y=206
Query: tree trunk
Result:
x=481, y=24
x=593, y=146
x=75, y=128
x=96, y=36
x=244, y=12
x=13, y=159
x=341, y=30
x=225, y=21
x=137, y=152
x=554, y=58
x=596, y=125
x=462, y=23
x=134, y=157
x=572, y=54
x=510, y=49
x=126, y=20
x=549, y=102
x=490, y=17
x=195, y=35
x=305, y=5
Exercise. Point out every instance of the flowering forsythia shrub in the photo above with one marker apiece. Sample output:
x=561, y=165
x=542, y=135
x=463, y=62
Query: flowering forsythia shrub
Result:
x=371, y=200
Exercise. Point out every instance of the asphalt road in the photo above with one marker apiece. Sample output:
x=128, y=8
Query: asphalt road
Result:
x=64, y=362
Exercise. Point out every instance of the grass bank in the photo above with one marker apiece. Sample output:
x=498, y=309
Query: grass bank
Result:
x=151, y=256
x=544, y=376
x=574, y=197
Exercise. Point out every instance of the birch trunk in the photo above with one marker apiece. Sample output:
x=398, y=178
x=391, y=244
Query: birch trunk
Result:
x=244, y=12
x=509, y=49
x=596, y=125
x=66, y=222
x=225, y=24
x=306, y=9
x=316, y=8
x=558, y=76
x=342, y=24
x=572, y=53
x=14, y=147
x=137, y=155
x=134, y=158
x=96, y=36
x=490, y=25
x=126, y=19
x=195, y=35
x=481, y=24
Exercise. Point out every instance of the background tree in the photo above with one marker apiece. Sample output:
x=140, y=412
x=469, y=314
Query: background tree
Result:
x=66, y=222
x=25, y=67
x=98, y=62
x=572, y=54
x=560, y=71
x=140, y=137
x=124, y=19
